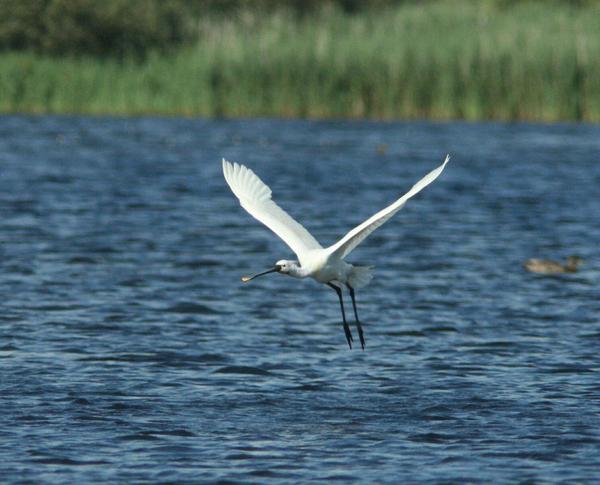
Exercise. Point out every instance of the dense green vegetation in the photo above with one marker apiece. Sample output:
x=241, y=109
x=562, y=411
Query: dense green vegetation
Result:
x=534, y=60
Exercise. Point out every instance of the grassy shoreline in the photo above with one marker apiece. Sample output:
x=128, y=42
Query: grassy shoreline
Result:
x=534, y=61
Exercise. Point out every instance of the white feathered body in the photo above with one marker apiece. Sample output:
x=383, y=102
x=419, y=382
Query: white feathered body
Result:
x=325, y=265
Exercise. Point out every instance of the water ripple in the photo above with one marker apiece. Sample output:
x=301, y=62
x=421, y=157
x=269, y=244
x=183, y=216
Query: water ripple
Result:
x=132, y=353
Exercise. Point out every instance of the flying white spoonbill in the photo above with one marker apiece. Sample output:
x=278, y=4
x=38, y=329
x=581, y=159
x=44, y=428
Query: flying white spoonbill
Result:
x=325, y=265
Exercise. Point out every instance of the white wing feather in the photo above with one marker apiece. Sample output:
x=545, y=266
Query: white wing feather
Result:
x=255, y=197
x=345, y=245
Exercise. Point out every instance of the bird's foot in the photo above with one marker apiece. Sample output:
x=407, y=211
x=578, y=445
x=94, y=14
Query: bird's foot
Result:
x=361, y=335
x=348, y=335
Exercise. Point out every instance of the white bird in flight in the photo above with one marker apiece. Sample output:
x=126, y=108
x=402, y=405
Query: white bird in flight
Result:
x=325, y=265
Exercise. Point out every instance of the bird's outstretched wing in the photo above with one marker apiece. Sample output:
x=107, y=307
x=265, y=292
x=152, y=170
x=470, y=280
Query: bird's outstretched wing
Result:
x=255, y=197
x=345, y=245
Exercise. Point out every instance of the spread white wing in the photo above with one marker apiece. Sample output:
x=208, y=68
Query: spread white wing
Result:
x=255, y=197
x=345, y=245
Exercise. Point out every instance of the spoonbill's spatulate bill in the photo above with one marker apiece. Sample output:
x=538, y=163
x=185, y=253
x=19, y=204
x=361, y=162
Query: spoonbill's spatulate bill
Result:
x=325, y=265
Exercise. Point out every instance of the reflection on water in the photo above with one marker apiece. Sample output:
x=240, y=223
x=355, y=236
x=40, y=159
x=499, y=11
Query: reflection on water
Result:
x=131, y=351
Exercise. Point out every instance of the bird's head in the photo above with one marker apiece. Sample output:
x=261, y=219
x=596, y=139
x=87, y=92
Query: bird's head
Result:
x=574, y=262
x=286, y=266
x=283, y=266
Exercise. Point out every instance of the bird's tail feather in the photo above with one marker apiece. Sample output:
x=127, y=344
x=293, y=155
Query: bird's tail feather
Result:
x=360, y=276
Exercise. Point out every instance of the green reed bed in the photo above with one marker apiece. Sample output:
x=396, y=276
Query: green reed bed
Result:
x=441, y=60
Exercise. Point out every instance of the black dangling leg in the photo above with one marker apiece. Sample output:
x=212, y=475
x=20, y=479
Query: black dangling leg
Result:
x=346, y=326
x=358, y=325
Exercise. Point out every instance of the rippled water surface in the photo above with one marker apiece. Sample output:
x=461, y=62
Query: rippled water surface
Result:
x=131, y=352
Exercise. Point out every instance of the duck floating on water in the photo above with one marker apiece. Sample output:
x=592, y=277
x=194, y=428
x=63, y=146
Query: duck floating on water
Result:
x=545, y=266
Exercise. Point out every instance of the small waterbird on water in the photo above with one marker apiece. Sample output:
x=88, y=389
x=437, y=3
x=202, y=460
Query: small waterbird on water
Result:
x=545, y=266
x=325, y=265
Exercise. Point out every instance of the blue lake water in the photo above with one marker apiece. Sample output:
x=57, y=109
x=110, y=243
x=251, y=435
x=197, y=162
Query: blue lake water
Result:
x=131, y=352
